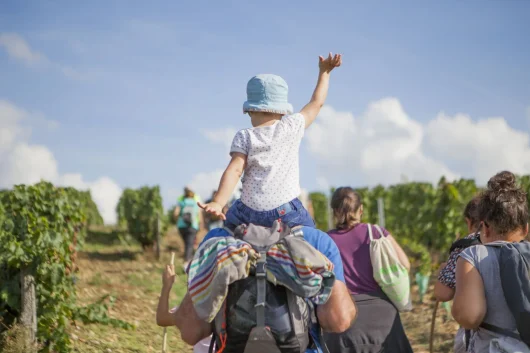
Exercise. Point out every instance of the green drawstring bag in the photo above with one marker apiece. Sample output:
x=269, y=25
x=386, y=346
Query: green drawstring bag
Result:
x=389, y=273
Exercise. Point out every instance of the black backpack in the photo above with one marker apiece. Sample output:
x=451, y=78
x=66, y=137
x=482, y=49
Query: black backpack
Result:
x=514, y=266
x=464, y=243
x=257, y=316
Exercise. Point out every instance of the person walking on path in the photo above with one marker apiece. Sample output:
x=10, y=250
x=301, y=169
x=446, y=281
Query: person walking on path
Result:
x=481, y=303
x=189, y=218
x=378, y=327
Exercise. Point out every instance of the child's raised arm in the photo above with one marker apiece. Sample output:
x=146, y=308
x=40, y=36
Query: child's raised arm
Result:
x=229, y=180
x=311, y=110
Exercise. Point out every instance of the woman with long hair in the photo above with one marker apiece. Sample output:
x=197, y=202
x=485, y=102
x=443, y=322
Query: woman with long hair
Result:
x=378, y=326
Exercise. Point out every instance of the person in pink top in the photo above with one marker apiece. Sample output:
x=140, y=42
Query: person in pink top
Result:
x=378, y=327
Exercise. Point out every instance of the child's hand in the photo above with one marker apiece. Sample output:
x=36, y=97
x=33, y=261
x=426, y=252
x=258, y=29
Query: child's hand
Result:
x=331, y=62
x=213, y=208
x=168, y=278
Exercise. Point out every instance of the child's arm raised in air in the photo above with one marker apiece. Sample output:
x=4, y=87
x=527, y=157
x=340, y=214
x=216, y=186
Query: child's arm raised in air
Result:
x=227, y=185
x=311, y=110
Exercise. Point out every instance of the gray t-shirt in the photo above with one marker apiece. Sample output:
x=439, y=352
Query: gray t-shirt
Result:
x=484, y=259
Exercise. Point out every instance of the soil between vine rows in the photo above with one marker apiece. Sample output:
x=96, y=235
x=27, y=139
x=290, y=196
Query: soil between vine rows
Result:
x=133, y=277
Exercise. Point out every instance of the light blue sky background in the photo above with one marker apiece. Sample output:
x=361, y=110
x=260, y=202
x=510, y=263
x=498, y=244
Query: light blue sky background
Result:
x=132, y=83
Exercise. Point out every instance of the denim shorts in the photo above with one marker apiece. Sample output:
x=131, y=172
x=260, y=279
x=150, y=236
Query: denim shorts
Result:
x=292, y=213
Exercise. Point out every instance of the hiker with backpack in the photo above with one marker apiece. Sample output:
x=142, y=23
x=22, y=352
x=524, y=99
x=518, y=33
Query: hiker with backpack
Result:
x=444, y=288
x=188, y=217
x=268, y=282
x=492, y=297
x=261, y=289
x=365, y=249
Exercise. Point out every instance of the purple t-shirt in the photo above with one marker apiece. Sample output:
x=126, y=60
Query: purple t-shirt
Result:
x=354, y=247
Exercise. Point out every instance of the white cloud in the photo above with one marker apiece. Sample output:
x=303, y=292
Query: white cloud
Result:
x=323, y=183
x=24, y=163
x=385, y=145
x=478, y=149
x=27, y=164
x=380, y=146
x=10, y=130
x=19, y=49
x=222, y=136
x=105, y=193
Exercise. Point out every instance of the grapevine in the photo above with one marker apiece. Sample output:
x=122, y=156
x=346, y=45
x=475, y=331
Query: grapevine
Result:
x=41, y=228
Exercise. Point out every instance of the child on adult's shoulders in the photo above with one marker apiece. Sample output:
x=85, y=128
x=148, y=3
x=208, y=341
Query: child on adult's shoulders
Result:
x=268, y=154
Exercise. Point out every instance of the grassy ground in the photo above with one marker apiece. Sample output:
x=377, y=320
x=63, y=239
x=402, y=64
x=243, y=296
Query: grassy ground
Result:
x=133, y=277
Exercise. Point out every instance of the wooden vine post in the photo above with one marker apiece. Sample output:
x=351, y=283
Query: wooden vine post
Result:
x=434, y=313
x=28, y=316
x=157, y=230
x=164, y=342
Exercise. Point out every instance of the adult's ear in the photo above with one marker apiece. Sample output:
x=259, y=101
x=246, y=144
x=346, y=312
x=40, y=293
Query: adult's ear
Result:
x=526, y=230
x=485, y=230
x=361, y=210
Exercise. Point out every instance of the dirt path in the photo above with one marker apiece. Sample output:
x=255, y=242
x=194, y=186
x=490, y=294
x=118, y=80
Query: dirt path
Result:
x=134, y=279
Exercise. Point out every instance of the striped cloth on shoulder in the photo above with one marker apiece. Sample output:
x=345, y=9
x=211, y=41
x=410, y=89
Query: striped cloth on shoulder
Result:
x=292, y=262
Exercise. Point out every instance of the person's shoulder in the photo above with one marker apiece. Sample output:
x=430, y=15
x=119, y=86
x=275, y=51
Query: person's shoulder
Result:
x=245, y=130
x=215, y=233
x=313, y=232
x=243, y=133
x=295, y=117
x=475, y=235
x=477, y=253
x=317, y=238
x=333, y=232
x=326, y=245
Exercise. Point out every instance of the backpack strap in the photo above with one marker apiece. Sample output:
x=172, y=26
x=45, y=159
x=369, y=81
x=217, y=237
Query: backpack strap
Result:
x=500, y=330
x=491, y=327
x=297, y=232
x=370, y=232
x=319, y=343
x=261, y=295
x=219, y=333
x=465, y=243
x=212, y=344
x=379, y=230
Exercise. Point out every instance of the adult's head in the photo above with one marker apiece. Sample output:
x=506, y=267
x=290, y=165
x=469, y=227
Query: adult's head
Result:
x=347, y=207
x=188, y=193
x=471, y=214
x=503, y=209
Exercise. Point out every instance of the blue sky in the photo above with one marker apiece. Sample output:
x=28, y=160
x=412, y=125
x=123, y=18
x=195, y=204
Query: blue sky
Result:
x=134, y=85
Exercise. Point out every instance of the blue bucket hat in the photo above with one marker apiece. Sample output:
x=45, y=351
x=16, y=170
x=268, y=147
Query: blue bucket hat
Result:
x=267, y=93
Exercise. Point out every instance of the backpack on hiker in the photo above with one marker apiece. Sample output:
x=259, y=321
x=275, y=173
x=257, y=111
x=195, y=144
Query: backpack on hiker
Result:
x=514, y=267
x=389, y=273
x=258, y=316
x=188, y=214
